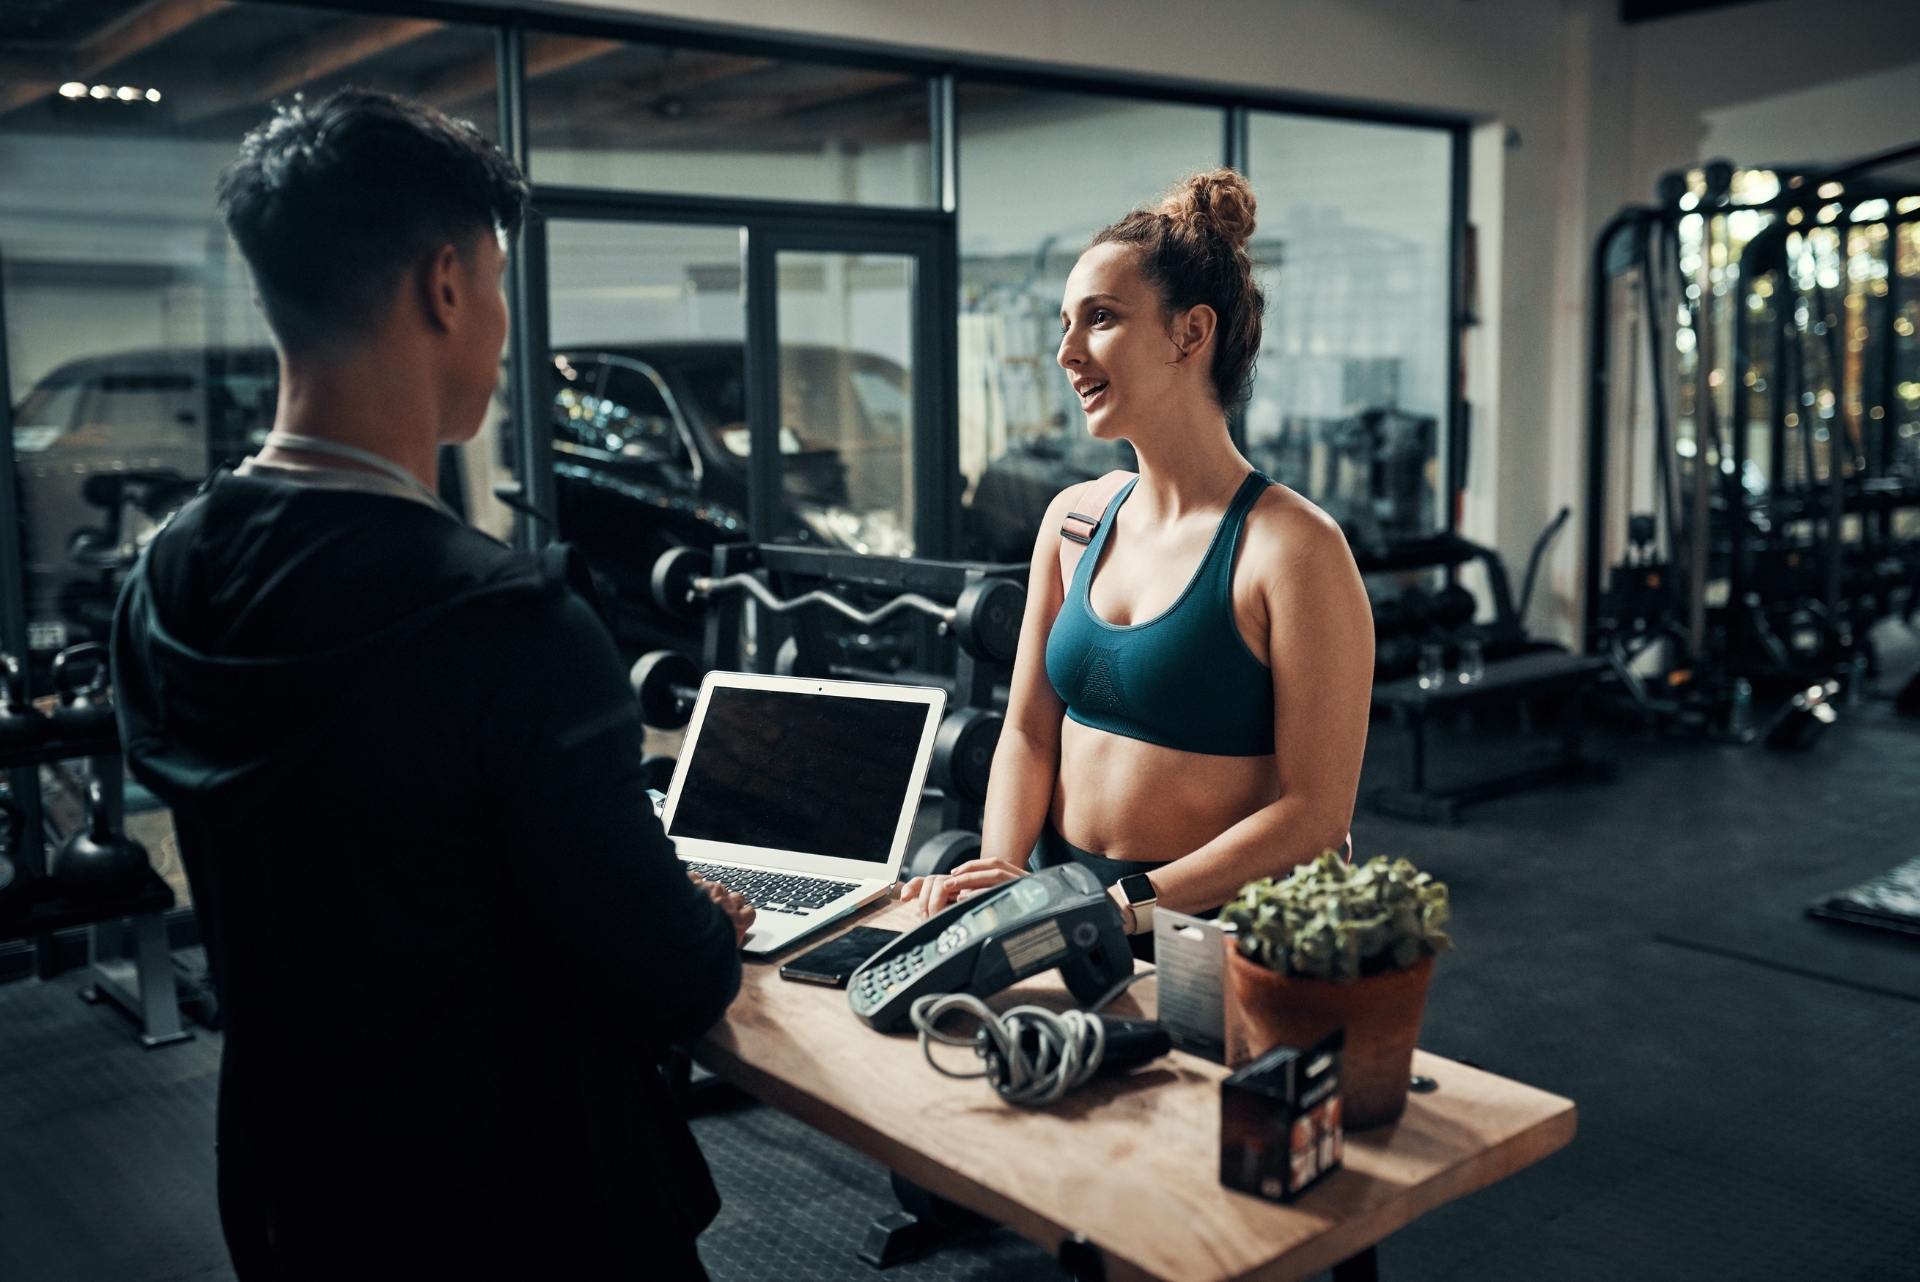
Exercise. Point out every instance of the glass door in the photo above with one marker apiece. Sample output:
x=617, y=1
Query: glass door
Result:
x=719, y=371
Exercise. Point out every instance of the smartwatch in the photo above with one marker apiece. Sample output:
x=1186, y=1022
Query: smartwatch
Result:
x=1138, y=894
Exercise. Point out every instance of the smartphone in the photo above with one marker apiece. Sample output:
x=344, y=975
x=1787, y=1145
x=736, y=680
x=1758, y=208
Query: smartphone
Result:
x=833, y=962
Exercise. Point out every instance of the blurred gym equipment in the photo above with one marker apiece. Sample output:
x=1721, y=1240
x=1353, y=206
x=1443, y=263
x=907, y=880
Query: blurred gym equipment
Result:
x=1754, y=452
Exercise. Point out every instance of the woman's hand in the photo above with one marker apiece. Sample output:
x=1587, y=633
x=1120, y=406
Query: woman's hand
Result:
x=970, y=878
x=733, y=904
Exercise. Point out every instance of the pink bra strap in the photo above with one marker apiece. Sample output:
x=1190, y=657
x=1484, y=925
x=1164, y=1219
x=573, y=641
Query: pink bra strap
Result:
x=1076, y=531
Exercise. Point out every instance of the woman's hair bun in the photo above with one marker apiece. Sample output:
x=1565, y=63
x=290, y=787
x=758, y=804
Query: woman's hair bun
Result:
x=1218, y=201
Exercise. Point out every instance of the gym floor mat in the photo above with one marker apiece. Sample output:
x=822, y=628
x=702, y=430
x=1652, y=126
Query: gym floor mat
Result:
x=1775, y=931
x=1890, y=901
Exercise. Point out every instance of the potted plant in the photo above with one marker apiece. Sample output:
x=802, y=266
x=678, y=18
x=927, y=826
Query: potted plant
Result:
x=1334, y=946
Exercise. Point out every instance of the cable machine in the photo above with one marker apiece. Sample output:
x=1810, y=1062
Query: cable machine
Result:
x=1754, y=433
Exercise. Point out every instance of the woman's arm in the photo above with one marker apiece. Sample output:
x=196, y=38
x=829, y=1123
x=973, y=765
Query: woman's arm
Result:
x=1320, y=647
x=1027, y=762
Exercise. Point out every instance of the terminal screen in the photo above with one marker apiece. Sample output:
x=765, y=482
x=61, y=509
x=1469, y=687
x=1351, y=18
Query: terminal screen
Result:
x=817, y=773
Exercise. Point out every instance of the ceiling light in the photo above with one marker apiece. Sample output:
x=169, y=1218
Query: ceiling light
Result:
x=1830, y=190
x=153, y=95
x=73, y=89
x=127, y=93
x=101, y=91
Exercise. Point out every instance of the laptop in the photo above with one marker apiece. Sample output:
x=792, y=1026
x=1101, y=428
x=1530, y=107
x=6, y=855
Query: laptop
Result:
x=800, y=794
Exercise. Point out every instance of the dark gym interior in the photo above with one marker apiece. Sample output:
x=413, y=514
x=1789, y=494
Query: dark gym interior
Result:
x=1591, y=326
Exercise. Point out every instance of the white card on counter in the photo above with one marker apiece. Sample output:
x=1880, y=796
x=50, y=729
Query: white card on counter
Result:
x=1190, y=959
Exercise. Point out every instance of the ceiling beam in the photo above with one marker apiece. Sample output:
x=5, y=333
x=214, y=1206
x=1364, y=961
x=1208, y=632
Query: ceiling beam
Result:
x=15, y=94
x=300, y=63
x=335, y=49
x=546, y=54
x=138, y=30
x=683, y=73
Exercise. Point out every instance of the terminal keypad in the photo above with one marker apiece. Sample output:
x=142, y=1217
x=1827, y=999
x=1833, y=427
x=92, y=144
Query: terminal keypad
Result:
x=876, y=983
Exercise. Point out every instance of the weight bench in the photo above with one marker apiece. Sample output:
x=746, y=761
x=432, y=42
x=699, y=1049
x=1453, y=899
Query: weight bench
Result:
x=1525, y=676
x=144, y=987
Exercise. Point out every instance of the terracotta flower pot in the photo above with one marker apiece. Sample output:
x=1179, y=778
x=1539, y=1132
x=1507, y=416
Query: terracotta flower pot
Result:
x=1381, y=1014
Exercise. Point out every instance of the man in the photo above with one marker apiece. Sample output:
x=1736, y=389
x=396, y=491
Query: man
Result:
x=450, y=937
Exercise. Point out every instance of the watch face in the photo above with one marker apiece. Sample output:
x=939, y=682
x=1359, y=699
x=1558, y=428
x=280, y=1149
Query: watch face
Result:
x=1137, y=888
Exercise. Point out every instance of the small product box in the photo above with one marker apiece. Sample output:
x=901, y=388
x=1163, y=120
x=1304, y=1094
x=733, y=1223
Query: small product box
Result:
x=1280, y=1127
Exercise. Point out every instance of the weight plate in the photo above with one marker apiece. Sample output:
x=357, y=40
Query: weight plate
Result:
x=665, y=684
x=963, y=753
x=987, y=618
x=672, y=581
x=942, y=853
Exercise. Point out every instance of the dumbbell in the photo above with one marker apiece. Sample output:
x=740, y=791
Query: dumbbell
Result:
x=672, y=582
x=941, y=853
x=667, y=685
x=987, y=618
x=963, y=754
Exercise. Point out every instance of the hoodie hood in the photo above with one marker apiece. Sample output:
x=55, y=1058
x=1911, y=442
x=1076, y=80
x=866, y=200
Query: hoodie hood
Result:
x=260, y=623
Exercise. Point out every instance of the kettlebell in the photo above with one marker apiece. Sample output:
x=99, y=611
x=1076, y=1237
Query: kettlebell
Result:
x=96, y=862
x=21, y=724
x=85, y=712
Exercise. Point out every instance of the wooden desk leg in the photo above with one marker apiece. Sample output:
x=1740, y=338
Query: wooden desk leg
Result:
x=1364, y=1267
x=924, y=1222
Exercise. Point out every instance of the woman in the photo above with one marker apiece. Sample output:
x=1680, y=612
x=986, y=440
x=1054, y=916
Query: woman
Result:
x=1189, y=706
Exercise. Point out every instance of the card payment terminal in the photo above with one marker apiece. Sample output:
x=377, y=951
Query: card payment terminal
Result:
x=1058, y=917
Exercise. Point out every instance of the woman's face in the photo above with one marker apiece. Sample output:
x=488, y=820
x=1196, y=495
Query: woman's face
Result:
x=1119, y=346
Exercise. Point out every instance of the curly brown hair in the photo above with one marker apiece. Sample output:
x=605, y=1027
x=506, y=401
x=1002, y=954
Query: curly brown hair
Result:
x=1192, y=250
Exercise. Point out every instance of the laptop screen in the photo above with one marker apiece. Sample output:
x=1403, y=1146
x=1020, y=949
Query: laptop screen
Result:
x=817, y=773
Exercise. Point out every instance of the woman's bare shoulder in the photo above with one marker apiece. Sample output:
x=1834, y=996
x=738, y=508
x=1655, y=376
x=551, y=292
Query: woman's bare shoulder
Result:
x=1287, y=529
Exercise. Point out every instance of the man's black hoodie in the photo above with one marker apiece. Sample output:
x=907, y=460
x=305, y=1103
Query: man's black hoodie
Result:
x=449, y=936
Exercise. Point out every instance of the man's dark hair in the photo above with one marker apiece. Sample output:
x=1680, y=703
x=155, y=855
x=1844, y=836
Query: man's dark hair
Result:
x=332, y=204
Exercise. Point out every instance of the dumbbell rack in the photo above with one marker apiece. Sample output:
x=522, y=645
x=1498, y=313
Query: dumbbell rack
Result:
x=144, y=987
x=796, y=644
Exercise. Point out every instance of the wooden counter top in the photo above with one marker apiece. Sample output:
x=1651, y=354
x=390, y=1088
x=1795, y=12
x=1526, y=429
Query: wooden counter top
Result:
x=1131, y=1163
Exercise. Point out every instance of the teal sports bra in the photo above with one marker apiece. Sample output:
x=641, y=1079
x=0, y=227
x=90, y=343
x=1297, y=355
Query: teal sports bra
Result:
x=1184, y=679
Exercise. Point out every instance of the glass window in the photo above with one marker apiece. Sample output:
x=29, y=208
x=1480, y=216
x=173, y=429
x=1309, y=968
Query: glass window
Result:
x=1040, y=174
x=648, y=322
x=1350, y=396
x=645, y=117
x=137, y=356
x=846, y=335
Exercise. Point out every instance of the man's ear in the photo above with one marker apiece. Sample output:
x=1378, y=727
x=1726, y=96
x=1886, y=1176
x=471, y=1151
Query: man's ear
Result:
x=1193, y=328
x=441, y=287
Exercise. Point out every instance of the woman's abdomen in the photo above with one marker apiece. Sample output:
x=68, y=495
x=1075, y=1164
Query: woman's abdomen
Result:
x=1129, y=799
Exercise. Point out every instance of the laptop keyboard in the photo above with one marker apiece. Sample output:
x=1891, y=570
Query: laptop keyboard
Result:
x=777, y=892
